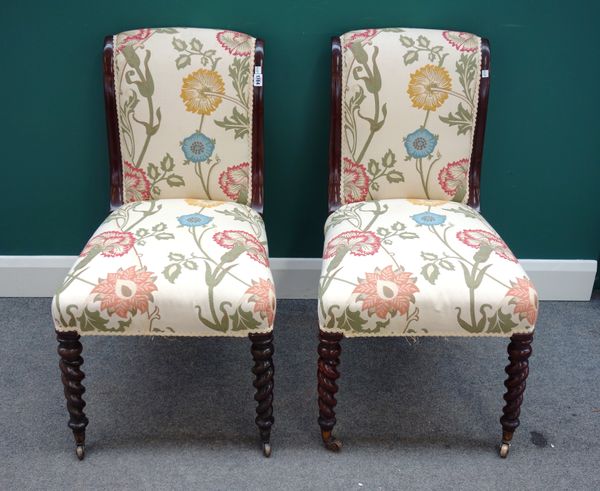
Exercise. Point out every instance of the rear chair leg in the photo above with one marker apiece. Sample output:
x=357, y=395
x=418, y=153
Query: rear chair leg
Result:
x=262, y=353
x=69, y=350
x=519, y=351
x=329, y=352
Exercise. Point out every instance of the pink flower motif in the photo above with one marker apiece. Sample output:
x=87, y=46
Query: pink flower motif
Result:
x=139, y=37
x=126, y=291
x=356, y=242
x=361, y=36
x=477, y=238
x=525, y=299
x=234, y=181
x=386, y=291
x=113, y=243
x=355, y=185
x=135, y=183
x=236, y=43
x=263, y=296
x=232, y=238
x=454, y=175
x=462, y=41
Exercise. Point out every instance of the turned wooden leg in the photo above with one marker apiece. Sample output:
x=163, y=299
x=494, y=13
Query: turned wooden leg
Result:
x=519, y=351
x=262, y=353
x=329, y=358
x=69, y=350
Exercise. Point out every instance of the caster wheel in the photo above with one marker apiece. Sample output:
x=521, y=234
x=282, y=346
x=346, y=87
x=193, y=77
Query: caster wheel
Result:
x=80, y=452
x=504, y=450
x=267, y=449
x=333, y=444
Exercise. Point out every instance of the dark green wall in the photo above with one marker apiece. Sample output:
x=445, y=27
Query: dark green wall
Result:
x=541, y=166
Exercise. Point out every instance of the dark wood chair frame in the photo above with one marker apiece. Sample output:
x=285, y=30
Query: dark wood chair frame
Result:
x=329, y=349
x=69, y=344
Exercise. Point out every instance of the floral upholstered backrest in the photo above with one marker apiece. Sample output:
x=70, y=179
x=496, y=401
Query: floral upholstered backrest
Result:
x=409, y=105
x=184, y=101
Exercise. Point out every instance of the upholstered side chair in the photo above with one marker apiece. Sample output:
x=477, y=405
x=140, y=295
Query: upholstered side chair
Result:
x=406, y=251
x=184, y=251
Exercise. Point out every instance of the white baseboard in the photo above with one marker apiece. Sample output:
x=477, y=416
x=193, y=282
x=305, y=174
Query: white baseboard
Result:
x=40, y=276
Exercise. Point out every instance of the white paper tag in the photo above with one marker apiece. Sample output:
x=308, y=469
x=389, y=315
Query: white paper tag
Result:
x=258, y=76
x=485, y=73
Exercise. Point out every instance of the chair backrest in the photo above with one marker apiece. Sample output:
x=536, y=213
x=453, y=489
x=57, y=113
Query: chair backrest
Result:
x=184, y=115
x=408, y=112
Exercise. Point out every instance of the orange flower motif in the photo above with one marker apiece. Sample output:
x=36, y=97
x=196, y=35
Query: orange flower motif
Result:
x=428, y=87
x=356, y=242
x=136, y=185
x=126, y=291
x=113, y=243
x=386, y=291
x=263, y=297
x=525, y=299
x=355, y=181
x=427, y=202
x=202, y=90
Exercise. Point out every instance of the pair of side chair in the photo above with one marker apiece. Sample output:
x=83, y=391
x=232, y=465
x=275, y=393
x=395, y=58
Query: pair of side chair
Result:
x=184, y=251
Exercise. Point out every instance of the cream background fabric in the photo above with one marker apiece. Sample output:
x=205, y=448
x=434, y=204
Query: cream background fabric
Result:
x=401, y=267
x=148, y=268
x=184, y=99
x=409, y=108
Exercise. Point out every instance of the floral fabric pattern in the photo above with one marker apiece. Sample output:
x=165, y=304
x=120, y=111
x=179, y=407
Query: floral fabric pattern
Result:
x=184, y=102
x=409, y=104
x=418, y=267
x=171, y=267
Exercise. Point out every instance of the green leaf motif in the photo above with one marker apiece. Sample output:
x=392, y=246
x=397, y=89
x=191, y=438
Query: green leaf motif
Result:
x=423, y=42
x=430, y=272
x=395, y=176
x=238, y=122
x=189, y=264
x=153, y=172
x=164, y=236
x=373, y=167
x=175, y=181
x=429, y=256
x=91, y=321
x=172, y=271
x=167, y=164
x=410, y=57
x=501, y=322
x=243, y=321
x=462, y=119
x=350, y=321
x=447, y=265
x=179, y=44
x=407, y=42
x=196, y=45
x=389, y=159
x=182, y=61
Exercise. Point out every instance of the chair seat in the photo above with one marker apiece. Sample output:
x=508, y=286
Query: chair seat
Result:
x=413, y=267
x=171, y=267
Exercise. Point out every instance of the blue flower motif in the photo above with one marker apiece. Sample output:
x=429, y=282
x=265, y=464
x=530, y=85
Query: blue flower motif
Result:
x=428, y=218
x=197, y=147
x=194, y=220
x=420, y=143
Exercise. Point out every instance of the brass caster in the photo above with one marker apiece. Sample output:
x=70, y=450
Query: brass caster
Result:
x=504, y=448
x=267, y=449
x=333, y=444
x=80, y=452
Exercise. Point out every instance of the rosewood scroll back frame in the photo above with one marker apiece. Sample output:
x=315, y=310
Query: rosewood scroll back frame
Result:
x=112, y=127
x=335, y=127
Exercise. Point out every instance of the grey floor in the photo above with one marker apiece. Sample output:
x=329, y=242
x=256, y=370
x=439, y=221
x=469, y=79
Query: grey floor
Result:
x=178, y=413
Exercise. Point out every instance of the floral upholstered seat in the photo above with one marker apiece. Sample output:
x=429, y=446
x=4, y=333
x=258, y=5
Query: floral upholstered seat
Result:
x=398, y=267
x=171, y=267
x=406, y=251
x=184, y=251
